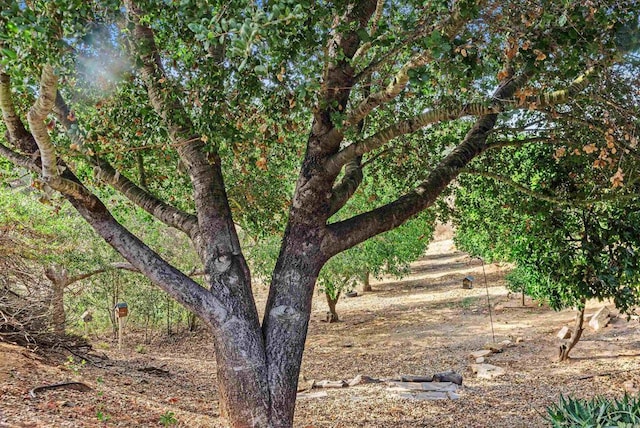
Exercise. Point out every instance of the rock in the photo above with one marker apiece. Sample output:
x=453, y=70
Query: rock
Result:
x=352, y=294
x=506, y=343
x=479, y=360
x=564, y=333
x=600, y=319
x=495, y=348
x=487, y=371
x=481, y=353
x=519, y=339
x=630, y=387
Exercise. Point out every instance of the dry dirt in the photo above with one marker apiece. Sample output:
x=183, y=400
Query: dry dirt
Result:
x=423, y=324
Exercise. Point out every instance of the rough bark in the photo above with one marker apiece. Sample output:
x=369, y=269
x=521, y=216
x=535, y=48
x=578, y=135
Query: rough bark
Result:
x=576, y=333
x=287, y=317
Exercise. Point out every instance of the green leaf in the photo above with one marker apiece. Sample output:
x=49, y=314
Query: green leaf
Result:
x=9, y=53
x=364, y=35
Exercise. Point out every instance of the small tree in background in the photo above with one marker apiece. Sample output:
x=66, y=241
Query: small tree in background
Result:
x=566, y=247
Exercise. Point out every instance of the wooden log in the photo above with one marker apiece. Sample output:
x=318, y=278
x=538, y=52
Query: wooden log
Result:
x=448, y=376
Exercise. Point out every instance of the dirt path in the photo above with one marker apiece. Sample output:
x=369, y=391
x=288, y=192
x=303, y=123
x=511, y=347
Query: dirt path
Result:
x=424, y=324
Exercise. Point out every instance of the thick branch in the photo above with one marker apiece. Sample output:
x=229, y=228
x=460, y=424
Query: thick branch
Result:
x=338, y=77
x=19, y=159
x=345, y=234
x=397, y=85
x=36, y=116
x=175, y=283
x=212, y=207
x=343, y=191
x=19, y=136
x=178, y=285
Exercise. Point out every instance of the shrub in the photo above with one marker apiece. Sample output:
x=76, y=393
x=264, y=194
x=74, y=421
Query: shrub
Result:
x=597, y=412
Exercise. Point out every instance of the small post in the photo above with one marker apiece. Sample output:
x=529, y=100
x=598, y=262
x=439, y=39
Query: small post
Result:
x=121, y=311
x=120, y=328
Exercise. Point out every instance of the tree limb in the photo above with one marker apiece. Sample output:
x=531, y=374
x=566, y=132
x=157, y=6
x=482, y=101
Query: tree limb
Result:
x=345, y=234
x=18, y=134
x=36, y=116
x=175, y=283
x=343, y=191
x=212, y=207
x=19, y=159
x=337, y=80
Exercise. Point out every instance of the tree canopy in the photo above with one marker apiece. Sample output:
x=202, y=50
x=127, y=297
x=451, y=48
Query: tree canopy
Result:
x=269, y=115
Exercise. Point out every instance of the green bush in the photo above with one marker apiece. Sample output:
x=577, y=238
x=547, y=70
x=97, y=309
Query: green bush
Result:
x=597, y=412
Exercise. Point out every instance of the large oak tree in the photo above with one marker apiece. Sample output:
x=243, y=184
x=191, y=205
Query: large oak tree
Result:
x=161, y=97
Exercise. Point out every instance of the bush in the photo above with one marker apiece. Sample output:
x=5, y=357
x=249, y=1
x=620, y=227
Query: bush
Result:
x=597, y=412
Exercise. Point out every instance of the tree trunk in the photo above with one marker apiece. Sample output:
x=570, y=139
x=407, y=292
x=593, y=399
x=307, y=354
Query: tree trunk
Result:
x=332, y=316
x=59, y=280
x=568, y=345
x=242, y=376
x=287, y=317
x=58, y=315
x=366, y=282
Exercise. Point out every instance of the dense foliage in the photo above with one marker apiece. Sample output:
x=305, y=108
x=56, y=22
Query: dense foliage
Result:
x=565, y=248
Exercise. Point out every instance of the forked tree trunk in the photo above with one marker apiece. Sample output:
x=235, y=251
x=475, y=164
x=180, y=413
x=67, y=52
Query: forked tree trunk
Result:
x=568, y=345
x=332, y=316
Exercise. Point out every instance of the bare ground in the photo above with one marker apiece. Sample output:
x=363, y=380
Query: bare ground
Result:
x=423, y=324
